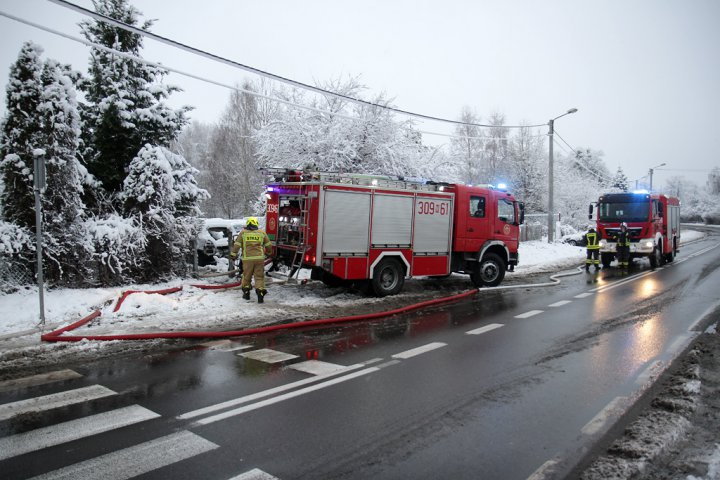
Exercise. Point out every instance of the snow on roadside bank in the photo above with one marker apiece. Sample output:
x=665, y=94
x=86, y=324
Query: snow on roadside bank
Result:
x=195, y=309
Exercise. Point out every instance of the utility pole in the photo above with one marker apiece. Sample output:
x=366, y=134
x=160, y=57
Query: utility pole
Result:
x=551, y=180
x=39, y=184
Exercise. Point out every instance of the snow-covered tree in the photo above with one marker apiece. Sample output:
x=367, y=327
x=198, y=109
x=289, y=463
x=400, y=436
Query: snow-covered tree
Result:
x=467, y=148
x=620, y=181
x=527, y=167
x=63, y=208
x=161, y=193
x=713, y=181
x=496, y=149
x=126, y=99
x=20, y=138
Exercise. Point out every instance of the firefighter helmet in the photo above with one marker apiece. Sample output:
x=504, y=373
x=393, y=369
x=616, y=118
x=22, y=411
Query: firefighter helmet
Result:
x=623, y=225
x=251, y=222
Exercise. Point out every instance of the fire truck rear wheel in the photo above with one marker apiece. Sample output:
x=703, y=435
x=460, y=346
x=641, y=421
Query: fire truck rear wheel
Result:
x=489, y=272
x=388, y=278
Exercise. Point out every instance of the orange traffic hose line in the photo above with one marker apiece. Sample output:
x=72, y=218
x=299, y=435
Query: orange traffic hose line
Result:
x=56, y=336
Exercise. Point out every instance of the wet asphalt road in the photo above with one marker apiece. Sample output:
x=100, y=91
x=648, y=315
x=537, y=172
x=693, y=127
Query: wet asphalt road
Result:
x=428, y=395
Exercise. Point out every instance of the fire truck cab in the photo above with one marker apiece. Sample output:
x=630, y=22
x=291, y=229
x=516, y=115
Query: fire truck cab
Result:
x=653, y=222
x=353, y=227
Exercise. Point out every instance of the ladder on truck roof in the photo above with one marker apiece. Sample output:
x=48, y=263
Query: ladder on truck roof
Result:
x=389, y=181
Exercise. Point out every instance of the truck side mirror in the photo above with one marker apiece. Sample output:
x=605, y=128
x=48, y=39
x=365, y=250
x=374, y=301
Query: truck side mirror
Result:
x=590, y=212
x=660, y=213
x=521, y=208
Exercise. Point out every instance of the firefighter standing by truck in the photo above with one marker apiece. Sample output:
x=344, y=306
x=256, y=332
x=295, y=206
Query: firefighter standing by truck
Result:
x=592, y=243
x=255, y=244
x=623, y=247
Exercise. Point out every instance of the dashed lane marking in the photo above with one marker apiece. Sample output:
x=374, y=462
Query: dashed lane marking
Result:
x=267, y=355
x=419, y=350
x=286, y=396
x=582, y=295
x=529, y=314
x=316, y=367
x=68, y=431
x=545, y=470
x=55, y=400
x=254, y=474
x=137, y=460
x=264, y=393
x=560, y=303
x=41, y=379
x=485, y=329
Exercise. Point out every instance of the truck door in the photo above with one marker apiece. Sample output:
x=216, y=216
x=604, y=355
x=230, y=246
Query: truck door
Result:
x=505, y=223
x=477, y=225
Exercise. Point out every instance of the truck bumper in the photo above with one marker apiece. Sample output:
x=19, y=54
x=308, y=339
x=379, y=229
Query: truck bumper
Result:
x=639, y=249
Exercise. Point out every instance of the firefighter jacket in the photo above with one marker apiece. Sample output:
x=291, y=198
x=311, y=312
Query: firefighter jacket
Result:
x=592, y=240
x=623, y=239
x=255, y=244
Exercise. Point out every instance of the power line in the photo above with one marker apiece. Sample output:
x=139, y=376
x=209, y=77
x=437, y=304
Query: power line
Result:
x=272, y=76
x=214, y=82
x=572, y=157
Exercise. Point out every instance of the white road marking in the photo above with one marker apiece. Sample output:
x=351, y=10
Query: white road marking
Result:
x=529, y=314
x=703, y=315
x=582, y=295
x=68, y=431
x=560, y=303
x=651, y=370
x=680, y=343
x=235, y=349
x=268, y=356
x=254, y=474
x=265, y=393
x=486, y=328
x=316, y=367
x=41, y=379
x=133, y=461
x=419, y=350
x=388, y=364
x=545, y=470
x=599, y=420
x=55, y=400
x=286, y=396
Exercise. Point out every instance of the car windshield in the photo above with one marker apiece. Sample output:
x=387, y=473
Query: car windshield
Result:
x=624, y=211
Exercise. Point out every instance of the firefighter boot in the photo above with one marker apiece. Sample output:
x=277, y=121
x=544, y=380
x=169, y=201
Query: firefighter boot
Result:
x=246, y=293
x=587, y=268
x=260, y=294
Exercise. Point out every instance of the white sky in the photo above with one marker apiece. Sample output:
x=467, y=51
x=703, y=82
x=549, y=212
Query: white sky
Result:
x=644, y=75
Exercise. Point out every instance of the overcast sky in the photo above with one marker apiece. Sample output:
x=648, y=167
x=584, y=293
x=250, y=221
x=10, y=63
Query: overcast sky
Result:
x=643, y=74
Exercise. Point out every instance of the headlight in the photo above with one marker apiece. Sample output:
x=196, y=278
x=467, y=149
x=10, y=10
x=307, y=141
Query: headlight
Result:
x=647, y=243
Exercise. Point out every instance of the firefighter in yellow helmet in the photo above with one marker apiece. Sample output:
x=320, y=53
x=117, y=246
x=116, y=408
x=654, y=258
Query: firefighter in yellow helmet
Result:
x=255, y=244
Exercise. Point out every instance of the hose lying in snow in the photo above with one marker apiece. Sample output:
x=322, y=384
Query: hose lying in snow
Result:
x=57, y=335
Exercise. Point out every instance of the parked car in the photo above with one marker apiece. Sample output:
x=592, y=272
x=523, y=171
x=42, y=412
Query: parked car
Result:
x=575, y=239
x=215, y=239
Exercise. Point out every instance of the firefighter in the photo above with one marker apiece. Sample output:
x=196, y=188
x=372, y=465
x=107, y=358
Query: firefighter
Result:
x=255, y=244
x=592, y=243
x=623, y=247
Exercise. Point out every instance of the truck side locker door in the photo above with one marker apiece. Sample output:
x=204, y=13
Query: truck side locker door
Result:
x=477, y=226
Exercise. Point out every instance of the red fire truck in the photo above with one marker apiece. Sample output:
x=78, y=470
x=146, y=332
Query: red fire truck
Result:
x=352, y=227
x=653, y=222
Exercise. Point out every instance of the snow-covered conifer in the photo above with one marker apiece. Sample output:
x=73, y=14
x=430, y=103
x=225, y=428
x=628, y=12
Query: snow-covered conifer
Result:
x=620, y=181
x=127, y=99
x=20, y=136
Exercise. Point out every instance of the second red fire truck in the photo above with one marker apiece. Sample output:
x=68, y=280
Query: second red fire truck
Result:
x=351, y=227
x=653, y=222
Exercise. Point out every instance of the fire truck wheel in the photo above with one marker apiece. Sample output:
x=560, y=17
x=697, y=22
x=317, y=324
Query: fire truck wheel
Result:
x=489, y=272
x=655, y=257
x=388, y=278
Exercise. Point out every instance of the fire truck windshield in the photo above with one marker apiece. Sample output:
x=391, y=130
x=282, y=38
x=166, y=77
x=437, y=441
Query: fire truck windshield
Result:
x=624, y=211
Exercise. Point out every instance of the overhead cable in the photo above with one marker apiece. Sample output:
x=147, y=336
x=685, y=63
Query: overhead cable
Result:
x=271, y=76
x=203, y=79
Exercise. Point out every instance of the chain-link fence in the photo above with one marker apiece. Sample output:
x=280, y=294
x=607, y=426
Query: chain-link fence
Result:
x=14, y=274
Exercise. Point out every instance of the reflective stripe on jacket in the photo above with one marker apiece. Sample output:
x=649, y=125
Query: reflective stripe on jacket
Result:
x=623, y=239
x=254, y=244
x=592, y=240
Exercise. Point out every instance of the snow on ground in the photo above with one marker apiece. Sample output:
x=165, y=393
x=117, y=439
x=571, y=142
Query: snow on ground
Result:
x=194, y=308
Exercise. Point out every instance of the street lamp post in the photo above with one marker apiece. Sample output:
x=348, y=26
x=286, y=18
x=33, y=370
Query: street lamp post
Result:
x=651, y=173
x=551, y=183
